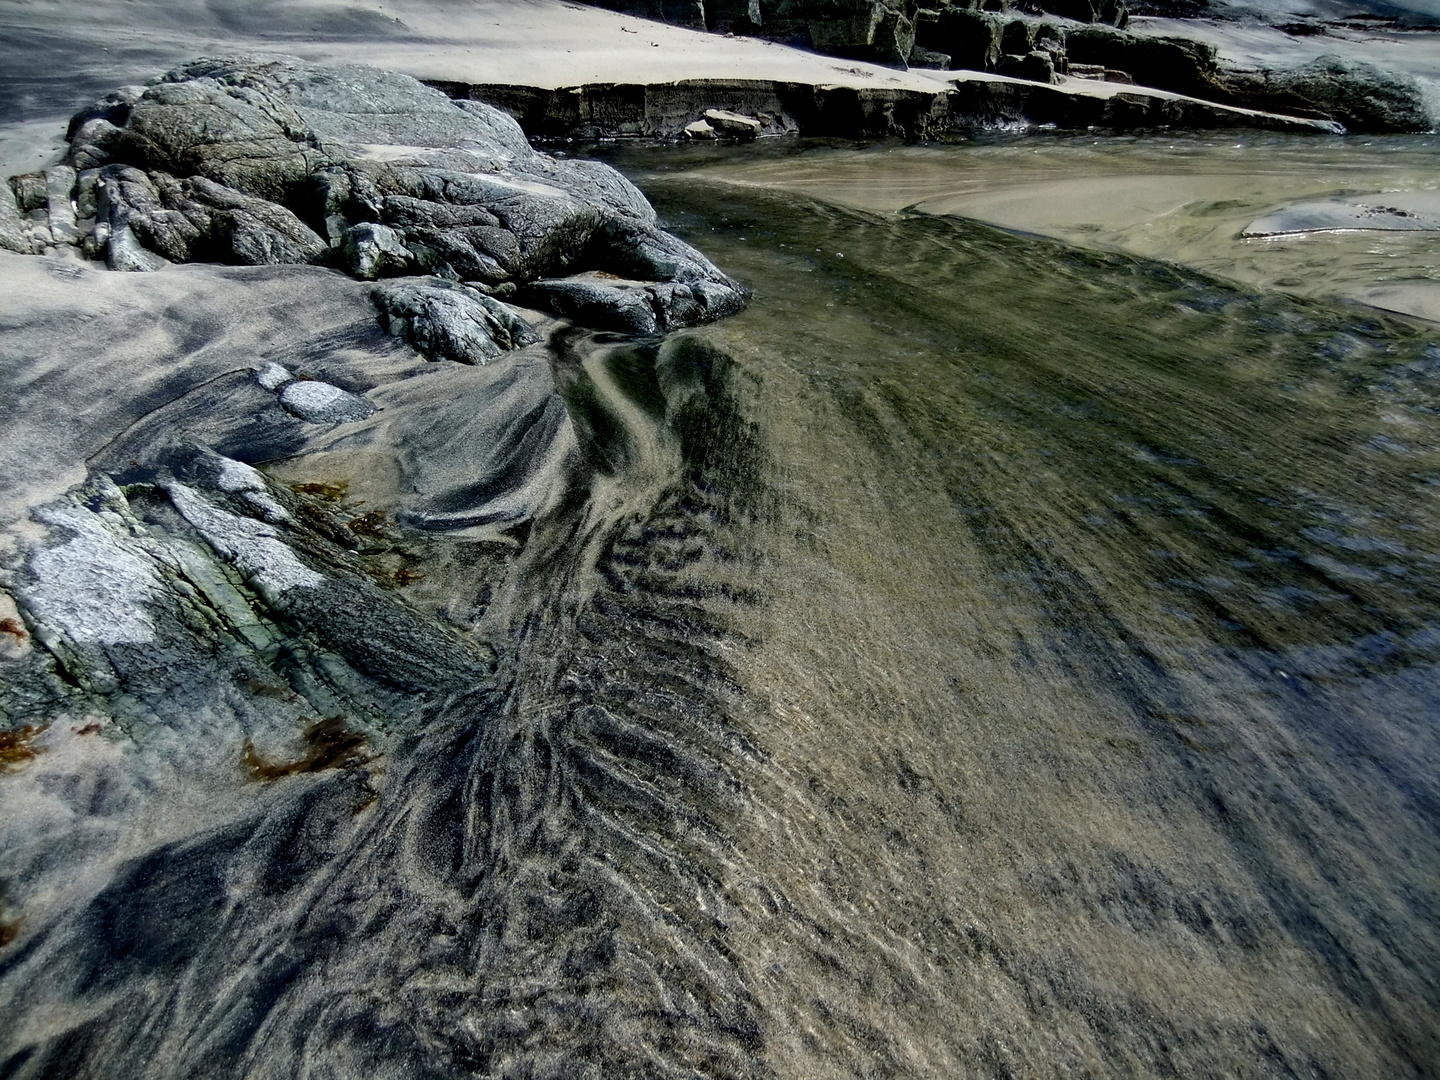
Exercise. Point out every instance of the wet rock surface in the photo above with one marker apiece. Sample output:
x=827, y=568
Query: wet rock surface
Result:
x=248, y=663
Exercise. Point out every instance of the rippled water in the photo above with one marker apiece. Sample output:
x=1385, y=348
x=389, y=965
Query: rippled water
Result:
x=1092, y=681
x=1184, y=198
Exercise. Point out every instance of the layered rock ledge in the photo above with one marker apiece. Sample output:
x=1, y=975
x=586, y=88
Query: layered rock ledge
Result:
x=1069, y=42
x=963, y=104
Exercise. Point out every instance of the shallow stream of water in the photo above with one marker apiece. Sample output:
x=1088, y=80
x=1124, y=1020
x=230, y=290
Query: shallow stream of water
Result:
x=1183, y=198
x=1090, y=656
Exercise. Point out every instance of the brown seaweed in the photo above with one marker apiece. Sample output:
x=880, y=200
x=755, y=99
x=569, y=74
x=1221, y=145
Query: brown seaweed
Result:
x=332, y=745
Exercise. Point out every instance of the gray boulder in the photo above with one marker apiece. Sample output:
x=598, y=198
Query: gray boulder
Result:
x=971, y=38
x=199, y=220
x=630, y=306
x=13, y=236
x=91, y=146
x=369, y=251
x=1017, y=38
x=878, y=30
x=627, y=307
x=1361, y=96
x=649, y=282
x=1177, y=64
x=1112, y=12
x=125, y=252
x=448, y=321
x=318, y=402
x=268, y=161
x=30, y=192
x=59, y=184
x=1036, y=66
x=921, y=57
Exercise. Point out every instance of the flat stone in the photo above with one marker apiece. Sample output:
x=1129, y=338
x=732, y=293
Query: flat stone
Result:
x=1335, y=216
x=729, y=123
x=320, y=403
x=699, y=130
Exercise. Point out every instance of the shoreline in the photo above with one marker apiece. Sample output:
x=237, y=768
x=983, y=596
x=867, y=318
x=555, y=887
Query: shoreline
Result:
x=1188, y=201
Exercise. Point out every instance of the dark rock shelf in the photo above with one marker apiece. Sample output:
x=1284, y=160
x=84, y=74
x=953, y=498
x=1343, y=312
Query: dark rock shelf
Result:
x=611, y=110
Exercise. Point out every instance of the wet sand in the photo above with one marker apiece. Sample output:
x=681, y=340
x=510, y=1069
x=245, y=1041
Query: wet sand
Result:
x=986, y=656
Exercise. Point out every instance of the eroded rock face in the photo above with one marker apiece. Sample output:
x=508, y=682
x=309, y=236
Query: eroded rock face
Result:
x=264, y=162
x=881, y=31
x=1168, y=63
x=878, y=30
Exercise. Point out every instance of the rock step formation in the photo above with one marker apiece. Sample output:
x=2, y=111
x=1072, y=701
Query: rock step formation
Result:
x=881, y=31
x=665, y=110
x=270, y=161
x=1043, y=41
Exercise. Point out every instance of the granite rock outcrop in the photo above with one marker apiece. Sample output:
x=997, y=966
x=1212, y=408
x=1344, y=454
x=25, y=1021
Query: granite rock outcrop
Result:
x=271, y=161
